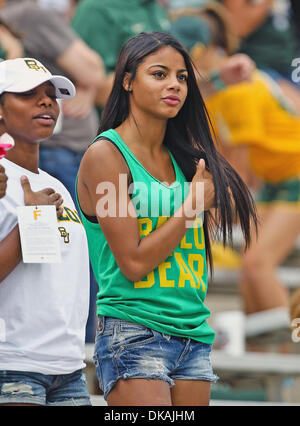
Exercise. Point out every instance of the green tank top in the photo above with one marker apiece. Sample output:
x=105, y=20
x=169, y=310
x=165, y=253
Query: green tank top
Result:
x=170, y=299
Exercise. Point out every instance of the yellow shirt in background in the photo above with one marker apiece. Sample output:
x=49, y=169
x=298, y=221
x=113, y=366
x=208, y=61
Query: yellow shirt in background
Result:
x=258, y=115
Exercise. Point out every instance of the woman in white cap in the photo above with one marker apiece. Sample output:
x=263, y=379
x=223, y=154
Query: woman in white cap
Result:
x=43, y=307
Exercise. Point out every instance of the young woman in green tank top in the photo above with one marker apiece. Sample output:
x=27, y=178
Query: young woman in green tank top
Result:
x=148, y=229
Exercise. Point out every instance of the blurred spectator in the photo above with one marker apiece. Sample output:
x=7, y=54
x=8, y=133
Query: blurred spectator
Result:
x=54, y=43
x=256, y=115
x=107, y=24
x=49, y=38
x=10, y=45
x=266, y=32
x=296, y=22
x=64, y=7
x=60, y=6
x=176, y=5
x=236, y=69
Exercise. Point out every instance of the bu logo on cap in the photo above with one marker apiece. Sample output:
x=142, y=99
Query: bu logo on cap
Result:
x=32, y=64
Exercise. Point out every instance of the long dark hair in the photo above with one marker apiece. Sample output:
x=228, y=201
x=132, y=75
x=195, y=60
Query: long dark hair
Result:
x=187, y=136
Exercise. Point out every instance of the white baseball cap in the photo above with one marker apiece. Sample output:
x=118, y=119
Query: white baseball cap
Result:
x=23, y=74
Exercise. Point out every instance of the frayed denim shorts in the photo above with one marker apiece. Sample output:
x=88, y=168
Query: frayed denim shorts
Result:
x=126, y=350
x=23, y=387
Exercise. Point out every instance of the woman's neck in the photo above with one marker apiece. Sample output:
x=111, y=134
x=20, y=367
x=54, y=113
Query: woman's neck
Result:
x=139, y=133
x=25, y=155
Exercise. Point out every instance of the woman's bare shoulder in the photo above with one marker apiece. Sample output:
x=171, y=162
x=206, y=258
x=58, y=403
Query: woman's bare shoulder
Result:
x=103, y=159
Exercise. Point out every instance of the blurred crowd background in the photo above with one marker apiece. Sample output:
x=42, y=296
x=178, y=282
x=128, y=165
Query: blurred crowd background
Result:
x=256, y=121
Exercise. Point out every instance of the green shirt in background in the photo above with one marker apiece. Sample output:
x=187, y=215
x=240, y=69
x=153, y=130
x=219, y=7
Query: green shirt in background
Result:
x=170, y=299
x=105, y=25
x=272, y=44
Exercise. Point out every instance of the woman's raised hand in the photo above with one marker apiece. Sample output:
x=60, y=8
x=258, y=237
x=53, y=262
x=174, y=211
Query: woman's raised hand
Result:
x=203, y=196
x=44, y=197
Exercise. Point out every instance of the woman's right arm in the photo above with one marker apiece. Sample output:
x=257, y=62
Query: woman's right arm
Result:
x=10, y=253
x=136, y=257
x=10, y=246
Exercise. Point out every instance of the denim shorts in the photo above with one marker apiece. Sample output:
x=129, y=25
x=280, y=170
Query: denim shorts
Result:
x=18, y=387
x=126, y=350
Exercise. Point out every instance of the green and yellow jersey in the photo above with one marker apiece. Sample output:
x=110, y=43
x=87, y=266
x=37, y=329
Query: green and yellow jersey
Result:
x=170, y=299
